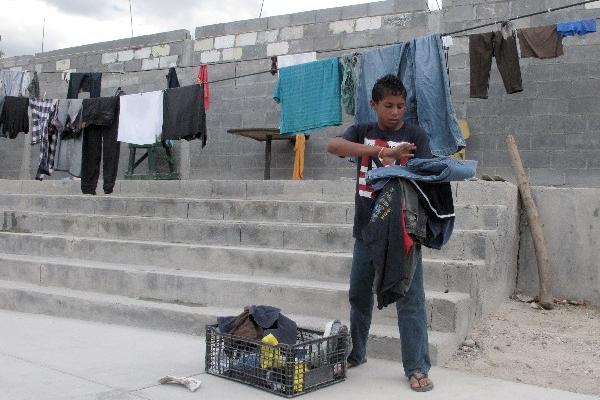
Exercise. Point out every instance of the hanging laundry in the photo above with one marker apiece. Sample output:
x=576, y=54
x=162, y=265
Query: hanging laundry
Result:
x=172, y=80
x=183, y=114
x=349, y=68
x=447, y=41
x=203, y=79
x=99, y=119
x=309, y=95
x=299, y=147
x=435, y=111
x=67, y=124
x=41, y=113
x=572, y=28
x=294, y=59
x=540, y=42
x=141, y=117
x=14, y=118
x=84, y=82
x=33, y=89
x=484, y=46
x=14, y=83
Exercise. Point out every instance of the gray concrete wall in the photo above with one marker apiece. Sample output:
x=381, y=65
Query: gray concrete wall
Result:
x=555, y=119
x=571, y=225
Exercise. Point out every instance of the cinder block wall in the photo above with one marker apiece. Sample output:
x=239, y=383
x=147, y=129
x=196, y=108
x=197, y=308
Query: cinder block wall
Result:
x=556, y=119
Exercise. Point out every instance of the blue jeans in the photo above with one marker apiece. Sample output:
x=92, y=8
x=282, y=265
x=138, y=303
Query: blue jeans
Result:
x=412, y=317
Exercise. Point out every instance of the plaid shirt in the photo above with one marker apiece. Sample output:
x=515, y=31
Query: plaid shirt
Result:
x=41, y=113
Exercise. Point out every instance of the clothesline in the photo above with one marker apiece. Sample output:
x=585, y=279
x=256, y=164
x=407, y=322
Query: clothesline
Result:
x=343, y=49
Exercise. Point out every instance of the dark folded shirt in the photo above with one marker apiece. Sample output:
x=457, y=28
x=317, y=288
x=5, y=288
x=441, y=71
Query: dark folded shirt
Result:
x=99, y=111
x=14, y=117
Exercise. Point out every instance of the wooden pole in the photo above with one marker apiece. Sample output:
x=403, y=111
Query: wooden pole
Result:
x=539, y=243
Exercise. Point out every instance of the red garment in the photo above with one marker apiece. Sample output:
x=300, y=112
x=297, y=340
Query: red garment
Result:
x=203, y=79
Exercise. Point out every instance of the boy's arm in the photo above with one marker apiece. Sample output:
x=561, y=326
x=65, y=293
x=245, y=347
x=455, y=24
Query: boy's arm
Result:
x=345, y=148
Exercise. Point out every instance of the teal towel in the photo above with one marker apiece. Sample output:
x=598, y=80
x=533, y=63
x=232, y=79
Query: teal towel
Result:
x=309, y=95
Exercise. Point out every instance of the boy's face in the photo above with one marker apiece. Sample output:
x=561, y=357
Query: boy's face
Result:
x=390, y=112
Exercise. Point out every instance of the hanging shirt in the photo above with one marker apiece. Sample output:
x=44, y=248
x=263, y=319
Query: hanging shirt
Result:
x=14, y=83
x=309, y=95
x=67, y=123
x=348, y=86
x=84, y=82
x=41, y=113
x=573, y=28
x=540, y=42
x=183, y=114
x=14, y=117
x=141, y=118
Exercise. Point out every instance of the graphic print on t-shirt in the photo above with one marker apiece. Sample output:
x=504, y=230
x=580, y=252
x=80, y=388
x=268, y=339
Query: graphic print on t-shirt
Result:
x=367, y=163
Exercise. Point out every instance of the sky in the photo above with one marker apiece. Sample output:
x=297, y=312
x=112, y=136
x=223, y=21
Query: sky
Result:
x=75, y=22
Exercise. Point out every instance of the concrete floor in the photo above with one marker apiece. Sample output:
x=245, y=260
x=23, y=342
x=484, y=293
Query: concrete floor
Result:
x=52, y=358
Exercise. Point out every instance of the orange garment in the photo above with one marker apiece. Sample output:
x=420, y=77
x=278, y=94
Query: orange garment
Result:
x=203, y=79
x=299, y=157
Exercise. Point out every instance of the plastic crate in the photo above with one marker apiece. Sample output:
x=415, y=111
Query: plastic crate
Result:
x=286, y=370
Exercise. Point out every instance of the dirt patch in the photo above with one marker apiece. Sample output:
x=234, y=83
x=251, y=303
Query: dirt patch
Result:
x=558, y=349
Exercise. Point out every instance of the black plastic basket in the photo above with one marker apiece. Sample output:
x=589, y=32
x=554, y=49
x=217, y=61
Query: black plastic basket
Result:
x=312, y=363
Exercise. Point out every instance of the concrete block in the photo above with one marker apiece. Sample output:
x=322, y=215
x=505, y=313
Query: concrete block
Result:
x=160, y=50
x=301, y=46
x=116, y=67
x=232, y=54
x=133, y=65
x=459, y=14
x=291, y=32
x=150, y=63
x=329, y=14
x=275, y=49
x=254, y=52
x=109, y=58
x=355, y=11
x=355, y=40
x=125, y=55
x=169, y=61
x=412, y=5
x=381, y=8
x=269, y=36
x=210, y=56
x=496, y=11
x=367, y=23
x=222, y=42
x=203, y=44
x=329, y=42
x=209, y=31
x=246, y=39
x=303, y=18
x=63, y=65
x=142, y=53
x=279, y=21
x=346, y=26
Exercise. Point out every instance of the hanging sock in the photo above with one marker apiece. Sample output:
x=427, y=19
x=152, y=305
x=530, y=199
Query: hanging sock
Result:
x=299, y=147
x=572, y=28
x=203, y=79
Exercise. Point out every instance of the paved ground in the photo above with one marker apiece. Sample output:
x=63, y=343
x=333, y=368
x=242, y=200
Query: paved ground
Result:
x=55, y=358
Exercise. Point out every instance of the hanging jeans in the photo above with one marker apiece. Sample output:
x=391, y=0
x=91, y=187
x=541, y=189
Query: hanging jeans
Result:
x=484, y=46
x=412, y=317
x=99, y=143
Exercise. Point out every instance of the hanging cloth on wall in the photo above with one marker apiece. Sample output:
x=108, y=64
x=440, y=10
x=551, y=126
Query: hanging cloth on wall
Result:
x=99, y=119
x=14, y=118
x=299, y=148
x=84, y=82
x=540, y=42
x=34, y=86
x=42, y=111
x=141, y=117
x=573, y=28
x=14, y=83
x=348, y=87
x=309, y=95
x=67, y=123
x=183, y=114
x=172, y=80
x=203, y=79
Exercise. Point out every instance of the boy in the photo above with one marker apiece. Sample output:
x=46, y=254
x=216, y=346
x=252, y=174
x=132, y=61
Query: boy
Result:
x=388, y=141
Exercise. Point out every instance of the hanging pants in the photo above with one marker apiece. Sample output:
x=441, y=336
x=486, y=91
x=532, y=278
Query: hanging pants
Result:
x=99, y=143
x=484, y=46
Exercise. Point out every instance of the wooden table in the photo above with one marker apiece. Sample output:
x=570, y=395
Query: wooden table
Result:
x=264, y=135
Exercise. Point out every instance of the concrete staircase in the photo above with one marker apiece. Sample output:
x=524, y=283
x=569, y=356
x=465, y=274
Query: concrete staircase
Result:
x=174, y=255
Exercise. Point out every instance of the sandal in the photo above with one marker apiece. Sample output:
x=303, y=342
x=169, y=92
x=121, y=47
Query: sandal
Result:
x=419, y=384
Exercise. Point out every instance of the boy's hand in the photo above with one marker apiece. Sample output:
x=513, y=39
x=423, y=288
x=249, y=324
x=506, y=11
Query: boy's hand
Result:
x=404, y=151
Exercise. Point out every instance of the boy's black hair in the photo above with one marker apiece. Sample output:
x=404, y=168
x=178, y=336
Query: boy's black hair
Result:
x=388, y=85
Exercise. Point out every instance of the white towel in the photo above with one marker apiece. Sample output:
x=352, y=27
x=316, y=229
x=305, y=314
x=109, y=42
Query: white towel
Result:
x=141, y=118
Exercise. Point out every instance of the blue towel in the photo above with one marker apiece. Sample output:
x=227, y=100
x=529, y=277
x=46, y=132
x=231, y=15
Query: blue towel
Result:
x=573, y=28
x=309, y=95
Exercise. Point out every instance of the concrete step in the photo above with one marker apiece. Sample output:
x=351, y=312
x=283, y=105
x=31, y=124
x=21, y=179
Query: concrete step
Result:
x=447, y=312
x=464, y=244
x=440, y=274
x=471, y=192
x=467, y=216
x=383, y=341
